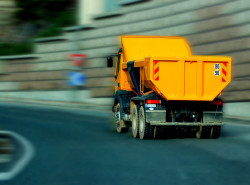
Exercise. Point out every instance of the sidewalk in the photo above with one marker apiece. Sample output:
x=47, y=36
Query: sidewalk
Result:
x=78, y=108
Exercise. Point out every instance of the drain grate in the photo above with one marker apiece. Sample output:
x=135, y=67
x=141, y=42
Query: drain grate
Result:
x=6, y=150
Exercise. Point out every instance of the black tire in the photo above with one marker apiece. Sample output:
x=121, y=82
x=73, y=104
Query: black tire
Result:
x=120, y=124
x=169, y=132
x=124, y=130
x=204, y=132
x=145, y=130
x=215, y=132
x=135, y=121
x=159, y=132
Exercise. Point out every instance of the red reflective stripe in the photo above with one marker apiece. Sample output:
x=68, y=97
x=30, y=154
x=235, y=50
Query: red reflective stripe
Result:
x=156, y=70
x=224, y=72
x=153, y=101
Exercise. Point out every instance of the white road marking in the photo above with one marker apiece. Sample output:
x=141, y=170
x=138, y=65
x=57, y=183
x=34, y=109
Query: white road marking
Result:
x=29, y=152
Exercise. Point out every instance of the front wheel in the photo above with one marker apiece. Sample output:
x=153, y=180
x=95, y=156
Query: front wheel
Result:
x=120, y=124
x=145, y=130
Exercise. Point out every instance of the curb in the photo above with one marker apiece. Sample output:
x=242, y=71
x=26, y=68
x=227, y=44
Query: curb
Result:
x=78, y=108
x=84, y=108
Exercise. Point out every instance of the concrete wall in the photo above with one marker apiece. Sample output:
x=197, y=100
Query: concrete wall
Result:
x=29, y=73
x=237, y=110
x=214, y=27
x=87, y=9
x=8, y=31
x=41, y=76
x=7, y=8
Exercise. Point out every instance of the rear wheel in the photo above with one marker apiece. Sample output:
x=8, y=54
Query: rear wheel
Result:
x=159, y=132
x=204, y=132
x=145, y=130
x=215, y=132
x=135, y=121
x=120, y=124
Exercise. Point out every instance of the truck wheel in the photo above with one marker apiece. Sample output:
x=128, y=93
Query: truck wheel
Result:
x=135, y=121
x=159, y=132
x=204, y=132
x=120, y=124
x=145, y=130
x=215, y=132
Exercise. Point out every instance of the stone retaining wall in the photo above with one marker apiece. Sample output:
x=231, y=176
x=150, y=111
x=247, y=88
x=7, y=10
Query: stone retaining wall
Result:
x=214, y=27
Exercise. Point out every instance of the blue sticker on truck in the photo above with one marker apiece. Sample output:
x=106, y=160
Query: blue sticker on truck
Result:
x=216, y=72
x=217, y=66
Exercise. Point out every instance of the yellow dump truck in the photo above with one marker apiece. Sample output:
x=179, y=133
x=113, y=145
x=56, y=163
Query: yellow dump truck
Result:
x=160, y=87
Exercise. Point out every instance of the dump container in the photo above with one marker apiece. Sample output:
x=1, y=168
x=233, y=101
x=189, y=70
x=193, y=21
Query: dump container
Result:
x=173, y=72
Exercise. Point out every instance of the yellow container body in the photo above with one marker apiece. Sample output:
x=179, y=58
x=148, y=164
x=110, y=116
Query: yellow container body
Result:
x=168, y=68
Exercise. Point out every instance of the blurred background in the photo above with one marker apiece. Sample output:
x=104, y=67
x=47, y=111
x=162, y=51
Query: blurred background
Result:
x=38, y=37
x=53, y=53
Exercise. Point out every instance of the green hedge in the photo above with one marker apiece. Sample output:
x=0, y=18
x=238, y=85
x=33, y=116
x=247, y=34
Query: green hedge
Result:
x=15, y=48
x=60, y=20
x=50, y=32
x=52, y=15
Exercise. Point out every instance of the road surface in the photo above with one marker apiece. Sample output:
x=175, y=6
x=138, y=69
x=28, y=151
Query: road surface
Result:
x=76, y=149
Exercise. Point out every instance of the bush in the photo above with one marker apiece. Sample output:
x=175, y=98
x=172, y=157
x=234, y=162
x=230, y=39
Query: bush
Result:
x=50, y=32
x=60, y=19
x=65, y=18
x=15, y=48
x=47, y=16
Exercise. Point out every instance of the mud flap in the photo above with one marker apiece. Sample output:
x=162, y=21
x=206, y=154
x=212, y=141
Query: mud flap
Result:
x=212, y=117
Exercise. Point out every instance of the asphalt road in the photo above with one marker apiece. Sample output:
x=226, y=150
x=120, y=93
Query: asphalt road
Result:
x=77, y=149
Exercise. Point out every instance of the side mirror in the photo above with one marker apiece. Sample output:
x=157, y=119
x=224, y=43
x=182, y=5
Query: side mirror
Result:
x=109, y=61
